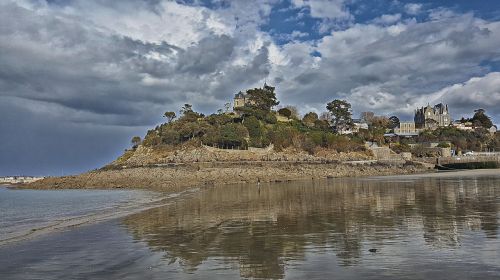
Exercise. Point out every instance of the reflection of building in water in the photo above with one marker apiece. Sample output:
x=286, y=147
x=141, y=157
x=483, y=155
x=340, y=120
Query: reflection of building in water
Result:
x=260, y=228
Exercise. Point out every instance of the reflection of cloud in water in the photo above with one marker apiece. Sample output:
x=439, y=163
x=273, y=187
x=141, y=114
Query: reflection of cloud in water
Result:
x=262, y=229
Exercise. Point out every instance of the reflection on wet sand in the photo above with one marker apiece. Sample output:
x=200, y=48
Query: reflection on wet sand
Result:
x=261, y=229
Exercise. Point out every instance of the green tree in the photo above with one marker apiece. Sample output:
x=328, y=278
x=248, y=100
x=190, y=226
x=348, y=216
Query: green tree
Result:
x=170, y=136
x=340, y=111
x=294, y=112
x=136, y=141
x=443, y=145
x=367, y=117
x=170, y=116
x=310, y=118
x=263, y=98
x=233, y=135
x=188, y=114
x=186, y=109
x=394, y=122
x=481, y=119
x=381, y=122
x=285, y=112
x=254, y=130
x=218, y=119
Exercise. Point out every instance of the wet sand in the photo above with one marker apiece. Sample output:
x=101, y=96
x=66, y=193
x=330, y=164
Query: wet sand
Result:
x=165, y=198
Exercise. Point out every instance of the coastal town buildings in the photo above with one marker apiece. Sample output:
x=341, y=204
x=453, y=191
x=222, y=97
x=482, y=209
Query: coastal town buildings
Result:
x=432, y=117
x=19, y=179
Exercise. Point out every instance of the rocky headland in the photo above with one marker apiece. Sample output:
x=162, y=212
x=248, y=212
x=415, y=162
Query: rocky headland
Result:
x=145, y=168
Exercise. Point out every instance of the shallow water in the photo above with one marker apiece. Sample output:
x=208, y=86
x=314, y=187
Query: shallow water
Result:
x=421, y=228
x=22, y=211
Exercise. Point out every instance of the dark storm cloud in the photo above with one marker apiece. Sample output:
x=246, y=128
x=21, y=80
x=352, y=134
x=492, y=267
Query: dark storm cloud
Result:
x=310, y=78
x=207, y=56
x=95, y=72
x=35, y=145
x=71, y=90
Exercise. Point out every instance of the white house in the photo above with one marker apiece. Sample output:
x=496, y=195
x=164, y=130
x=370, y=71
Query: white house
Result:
x=493, y=129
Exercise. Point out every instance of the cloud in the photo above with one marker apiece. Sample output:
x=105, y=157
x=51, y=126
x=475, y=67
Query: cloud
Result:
x=413, y=8
x=70, y=69
x=477, y=92
x=387, y=19
x=387, y=68
x=206, y=56
x=326, y=9
x=96, y=69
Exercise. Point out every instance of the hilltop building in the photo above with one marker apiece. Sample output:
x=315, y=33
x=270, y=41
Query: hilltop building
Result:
x=241, y=99
x=432, y=117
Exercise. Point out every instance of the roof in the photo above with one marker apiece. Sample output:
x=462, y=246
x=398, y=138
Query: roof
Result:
x=358, y=121
x=239, y=95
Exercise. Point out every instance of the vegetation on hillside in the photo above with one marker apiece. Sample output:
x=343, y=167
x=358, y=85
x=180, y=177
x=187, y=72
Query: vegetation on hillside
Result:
x=258, y=125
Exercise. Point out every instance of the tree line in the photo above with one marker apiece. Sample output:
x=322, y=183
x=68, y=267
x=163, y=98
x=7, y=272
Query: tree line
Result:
x=256, y=125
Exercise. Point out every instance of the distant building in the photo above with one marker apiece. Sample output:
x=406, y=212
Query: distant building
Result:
x=493, y=129
x=19, y=179
x=432, y=117
x=360, y=124
x=406, y=128
x=357, y=124
x=466, y=126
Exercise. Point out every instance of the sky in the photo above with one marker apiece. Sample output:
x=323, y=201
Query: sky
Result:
x=80, y=78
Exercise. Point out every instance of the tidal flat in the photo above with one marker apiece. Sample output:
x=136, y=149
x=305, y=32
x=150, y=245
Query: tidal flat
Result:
x=430, y=226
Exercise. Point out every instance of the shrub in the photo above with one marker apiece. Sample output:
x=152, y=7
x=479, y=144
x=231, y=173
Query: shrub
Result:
x=309, y=145
x=285, y=112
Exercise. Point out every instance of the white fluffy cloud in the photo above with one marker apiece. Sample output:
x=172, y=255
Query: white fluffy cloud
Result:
x=478, y=92
x=388, y=19
x=389, y=68
x=413, y=8
x=329, y=9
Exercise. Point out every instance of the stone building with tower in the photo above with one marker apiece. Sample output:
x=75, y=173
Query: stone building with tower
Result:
x=241, y=99
x=432, y=117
